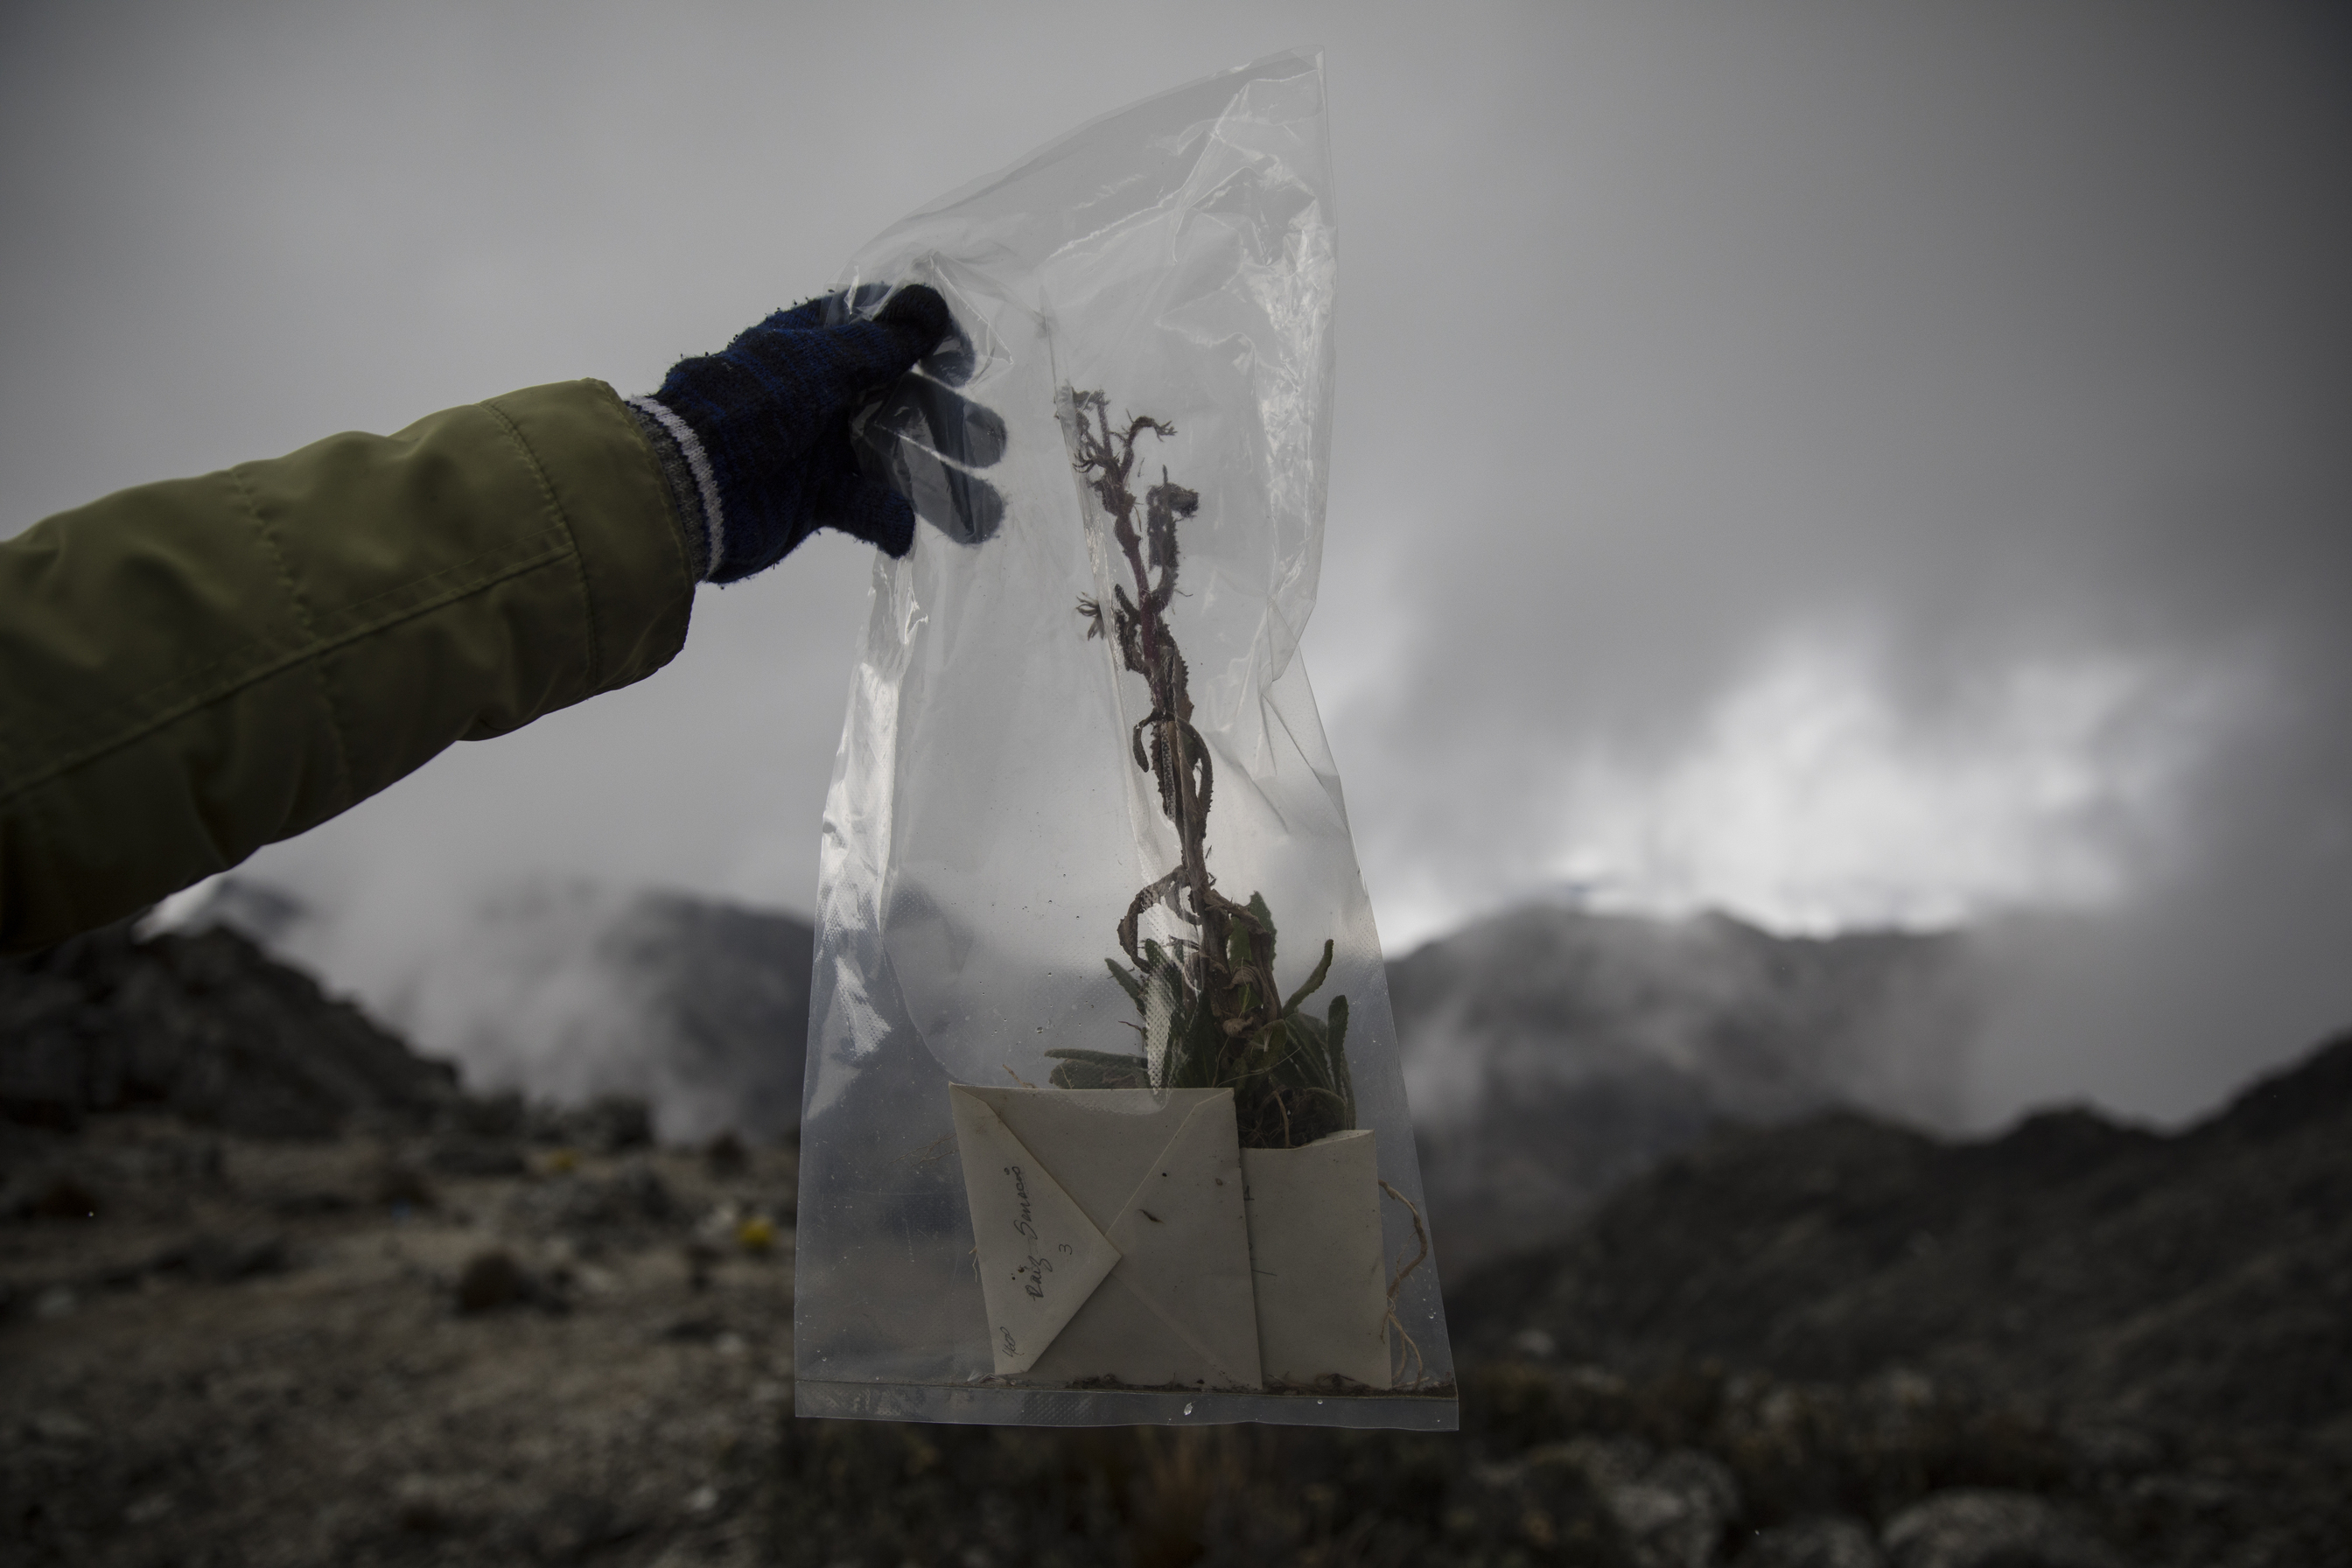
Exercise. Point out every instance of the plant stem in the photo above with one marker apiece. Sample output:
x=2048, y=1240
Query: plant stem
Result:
x=1224, y=1022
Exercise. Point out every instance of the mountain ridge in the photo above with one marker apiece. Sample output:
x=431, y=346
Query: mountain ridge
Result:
x=570, y=992
x=1553, y=1054
x=2199, y=1276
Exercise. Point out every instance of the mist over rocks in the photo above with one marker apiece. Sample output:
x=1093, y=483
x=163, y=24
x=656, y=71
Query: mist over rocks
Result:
x=569, y=993
x=2073, y=1345
x=2172, y=1283
x=1552, y=1054
x=207, y=1026
x=1835, y=1340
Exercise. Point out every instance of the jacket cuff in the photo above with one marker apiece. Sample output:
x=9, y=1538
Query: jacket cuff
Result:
x=607, y=481
x=686, y=470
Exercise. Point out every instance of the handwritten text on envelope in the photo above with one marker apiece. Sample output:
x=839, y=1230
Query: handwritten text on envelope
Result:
x=1111, y=1239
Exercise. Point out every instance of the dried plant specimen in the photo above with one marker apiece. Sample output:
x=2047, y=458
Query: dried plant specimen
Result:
x=1213, y=1016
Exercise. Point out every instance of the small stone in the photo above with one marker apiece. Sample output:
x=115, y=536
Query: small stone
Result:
x=1677, y=1509
x=615, y=1122
x=2113, y=1449
x=477, y=1157
x=425, y=1505
x=637, y=1192
x=491, y=1281
x=1976, y=1528
x=56, y=1426
x=401, y=1186
x=1827, y=1541
x=59, y=1197
x=724, y=1156
x=489, y=1116
x=225, y=1260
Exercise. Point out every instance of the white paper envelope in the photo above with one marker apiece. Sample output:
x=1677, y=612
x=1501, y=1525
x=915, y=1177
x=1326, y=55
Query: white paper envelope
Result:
x=1111, y=1239
x=1315, y=1246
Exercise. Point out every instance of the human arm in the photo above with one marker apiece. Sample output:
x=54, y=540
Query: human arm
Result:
x=192, y=669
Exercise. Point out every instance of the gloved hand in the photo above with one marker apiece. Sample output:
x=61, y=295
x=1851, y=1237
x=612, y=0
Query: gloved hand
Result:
x=759, y=440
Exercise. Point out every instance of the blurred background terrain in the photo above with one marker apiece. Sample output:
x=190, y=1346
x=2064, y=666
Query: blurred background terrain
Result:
x=275, y=1289
x=1854, y=470
x=1839, y=573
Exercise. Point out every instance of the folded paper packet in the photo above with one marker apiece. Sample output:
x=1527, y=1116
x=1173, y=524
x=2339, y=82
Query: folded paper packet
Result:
x=1110, y=1235
x=1314, y=1260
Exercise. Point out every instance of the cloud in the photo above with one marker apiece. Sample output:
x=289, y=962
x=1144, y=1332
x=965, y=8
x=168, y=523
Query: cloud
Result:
x=1810, y=799
x=1840, y=462
x=1810, y=795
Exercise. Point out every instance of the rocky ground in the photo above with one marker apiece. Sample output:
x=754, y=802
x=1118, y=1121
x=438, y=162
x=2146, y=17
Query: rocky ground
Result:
x=224, y=1350
x=393, y=1325
x=221, y=1350
x=2155, y=1331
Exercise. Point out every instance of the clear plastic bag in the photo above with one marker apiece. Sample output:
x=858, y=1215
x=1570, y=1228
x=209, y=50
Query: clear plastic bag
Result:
x=1103, y=1119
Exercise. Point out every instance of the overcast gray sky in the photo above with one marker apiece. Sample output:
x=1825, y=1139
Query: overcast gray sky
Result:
x=1843, y=463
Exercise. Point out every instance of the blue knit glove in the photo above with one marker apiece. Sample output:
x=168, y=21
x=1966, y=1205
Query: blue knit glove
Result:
x=758, y=440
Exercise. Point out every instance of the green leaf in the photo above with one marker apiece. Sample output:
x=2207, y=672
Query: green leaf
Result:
x=1098, y=1069
x=1336, y=1046
x=1264, y=918
x=1289, y=1078
x=1314, y=983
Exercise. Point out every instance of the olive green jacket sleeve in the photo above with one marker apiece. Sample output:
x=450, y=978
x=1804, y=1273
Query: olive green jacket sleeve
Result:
x=193, y=669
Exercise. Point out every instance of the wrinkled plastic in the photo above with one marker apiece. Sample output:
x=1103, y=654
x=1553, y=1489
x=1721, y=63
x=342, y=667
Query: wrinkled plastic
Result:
x=988, y=825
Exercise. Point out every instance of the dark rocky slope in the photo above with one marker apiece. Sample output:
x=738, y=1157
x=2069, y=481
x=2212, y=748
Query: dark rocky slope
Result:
x=2200, y=1278
x=205, y=1025
x=565, y=992
x=722, y=994
x=2158, y=1327
x=1554, y=1054
x=1836, y=1343
x=411, y=1335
